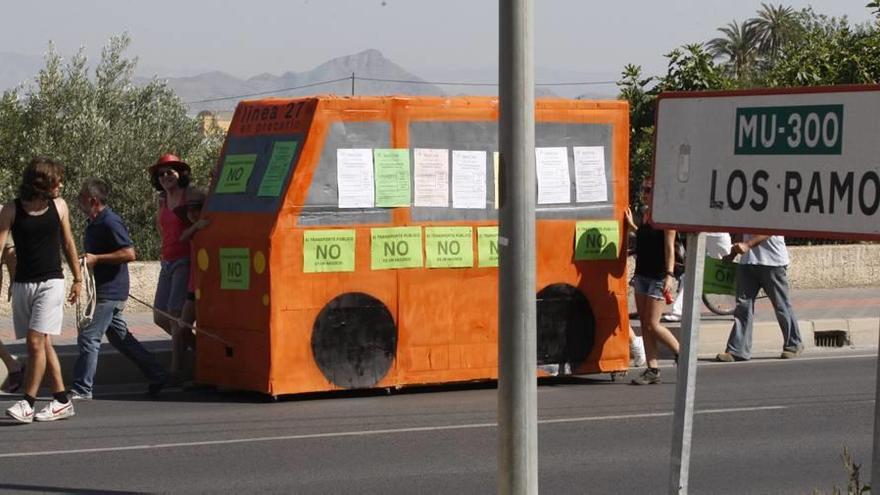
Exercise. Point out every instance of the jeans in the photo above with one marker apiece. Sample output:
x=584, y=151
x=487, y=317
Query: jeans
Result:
x=108, y=319
x=773, y=279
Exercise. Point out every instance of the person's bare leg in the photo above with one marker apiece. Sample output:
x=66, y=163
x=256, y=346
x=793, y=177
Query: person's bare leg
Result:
x=178, y=346
x=53, y=367
x=36, y=345
x=163, y=322
x=643, y=306
x=12, y=364
x=658, y=332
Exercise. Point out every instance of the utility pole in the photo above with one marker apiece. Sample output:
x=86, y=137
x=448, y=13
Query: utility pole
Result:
x=352, y=84
x=517, y=335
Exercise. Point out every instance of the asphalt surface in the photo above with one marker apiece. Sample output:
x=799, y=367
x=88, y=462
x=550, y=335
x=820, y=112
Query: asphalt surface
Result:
x=765, y=426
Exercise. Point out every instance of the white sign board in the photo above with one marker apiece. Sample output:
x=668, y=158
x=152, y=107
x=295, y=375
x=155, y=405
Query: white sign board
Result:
x=795, y=162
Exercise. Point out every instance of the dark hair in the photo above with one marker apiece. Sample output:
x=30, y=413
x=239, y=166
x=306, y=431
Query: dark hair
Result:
x=182, y=178
x=41, y=178
x=96, y=188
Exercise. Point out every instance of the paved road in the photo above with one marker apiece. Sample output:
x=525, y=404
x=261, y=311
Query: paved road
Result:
x=766, y=426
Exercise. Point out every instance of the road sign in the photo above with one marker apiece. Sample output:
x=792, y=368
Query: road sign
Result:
x=795, y=161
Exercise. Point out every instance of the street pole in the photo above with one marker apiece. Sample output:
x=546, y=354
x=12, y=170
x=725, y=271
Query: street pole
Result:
x=517, y=334
x=685, y=390
x=352, y=84
x=875, y=461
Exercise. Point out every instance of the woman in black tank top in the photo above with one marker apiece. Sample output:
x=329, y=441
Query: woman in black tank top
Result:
x=40, y=225
x=653, y=285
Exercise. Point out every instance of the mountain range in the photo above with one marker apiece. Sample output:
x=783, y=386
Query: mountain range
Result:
x=374, y=74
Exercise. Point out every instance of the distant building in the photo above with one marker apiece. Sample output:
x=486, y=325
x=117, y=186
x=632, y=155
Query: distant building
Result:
x=221, y=119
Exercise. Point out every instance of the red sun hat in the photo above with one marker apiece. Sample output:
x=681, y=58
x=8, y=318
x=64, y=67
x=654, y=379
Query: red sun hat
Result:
x=169, y=160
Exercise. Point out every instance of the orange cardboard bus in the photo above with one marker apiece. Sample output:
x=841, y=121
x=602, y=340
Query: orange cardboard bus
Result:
x=353, y=243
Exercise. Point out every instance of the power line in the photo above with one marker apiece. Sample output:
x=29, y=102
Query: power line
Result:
x=280, y=90
x=353, y=78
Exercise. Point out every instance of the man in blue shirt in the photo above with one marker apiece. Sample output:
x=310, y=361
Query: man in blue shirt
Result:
x=108, y=249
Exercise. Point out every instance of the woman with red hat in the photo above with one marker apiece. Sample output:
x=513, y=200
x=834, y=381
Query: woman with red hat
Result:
x=171, y=177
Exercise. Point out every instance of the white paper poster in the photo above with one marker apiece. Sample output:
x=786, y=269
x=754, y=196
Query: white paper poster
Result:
x=589, y=174
x=354, y=177
x=431, y=177
x=495, y=160
x=468, y=179
x=554, y=181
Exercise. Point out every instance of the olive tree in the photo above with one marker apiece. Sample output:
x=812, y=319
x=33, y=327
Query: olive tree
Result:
x=102, y=124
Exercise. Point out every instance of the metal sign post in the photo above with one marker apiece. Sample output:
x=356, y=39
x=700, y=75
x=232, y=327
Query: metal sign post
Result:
x=517, y=335
x=875, y=463
x=686, y=383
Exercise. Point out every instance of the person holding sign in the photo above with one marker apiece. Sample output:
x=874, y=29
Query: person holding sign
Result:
x=171, y=177
x=763, y=265
x=653, y=285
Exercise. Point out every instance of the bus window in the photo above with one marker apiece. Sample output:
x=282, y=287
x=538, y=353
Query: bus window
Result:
x=322, y=200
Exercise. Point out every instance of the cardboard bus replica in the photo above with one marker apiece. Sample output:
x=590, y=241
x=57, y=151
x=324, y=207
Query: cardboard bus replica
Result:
x=353, y=243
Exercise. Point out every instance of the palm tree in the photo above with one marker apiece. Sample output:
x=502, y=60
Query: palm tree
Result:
x=739, y=46
x=774, y=27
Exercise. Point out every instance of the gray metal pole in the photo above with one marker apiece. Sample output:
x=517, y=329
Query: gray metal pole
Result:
x=685, y=389
x=875, y=460
x=352, y=84
x=517, y=335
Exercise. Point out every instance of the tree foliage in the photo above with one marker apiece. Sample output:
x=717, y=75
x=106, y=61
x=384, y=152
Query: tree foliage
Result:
x=103, y=125
x=780, y=47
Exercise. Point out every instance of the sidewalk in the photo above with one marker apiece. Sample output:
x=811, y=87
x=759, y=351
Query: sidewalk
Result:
x=853, y=310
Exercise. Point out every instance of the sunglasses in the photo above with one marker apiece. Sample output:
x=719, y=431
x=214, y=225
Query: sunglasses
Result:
x=166, y=172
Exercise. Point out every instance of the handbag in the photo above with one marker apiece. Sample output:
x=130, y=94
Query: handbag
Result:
x=680, y=256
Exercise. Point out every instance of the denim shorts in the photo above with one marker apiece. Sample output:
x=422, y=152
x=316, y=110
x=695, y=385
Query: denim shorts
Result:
x=171, y=290
x=651, y=287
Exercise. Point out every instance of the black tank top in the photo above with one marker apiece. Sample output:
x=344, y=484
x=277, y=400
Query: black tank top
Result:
x=37, y=244
x=650, y=252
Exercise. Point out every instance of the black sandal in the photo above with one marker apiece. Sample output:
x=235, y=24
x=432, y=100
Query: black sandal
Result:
x=13, y=381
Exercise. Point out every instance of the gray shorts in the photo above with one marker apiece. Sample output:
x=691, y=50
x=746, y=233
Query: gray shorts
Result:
x=172, y=287
x=651, y=287
x=38, y=306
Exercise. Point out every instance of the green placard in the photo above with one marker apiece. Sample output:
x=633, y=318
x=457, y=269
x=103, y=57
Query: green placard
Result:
x=396, y=247
x=236, y=173
x=719, y=277
x=487, y=246
x=328, y=251
x=235, y=268
x=392, y=176
x=277, y=169
x=449, y=247
x=790, y=130
x=597, y=240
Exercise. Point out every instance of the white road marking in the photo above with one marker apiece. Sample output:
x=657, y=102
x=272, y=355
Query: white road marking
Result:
x=362, y=433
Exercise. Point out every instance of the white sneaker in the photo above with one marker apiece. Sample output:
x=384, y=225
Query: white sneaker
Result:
x=21, y=411
x=55, y=410
x=670, y=318
x=637, y=352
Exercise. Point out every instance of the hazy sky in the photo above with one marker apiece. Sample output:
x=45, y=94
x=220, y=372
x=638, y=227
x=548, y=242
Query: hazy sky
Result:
x=248, y=37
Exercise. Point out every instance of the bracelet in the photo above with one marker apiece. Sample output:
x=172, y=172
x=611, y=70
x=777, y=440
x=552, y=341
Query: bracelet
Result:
x=670, y=274
x=77, y=280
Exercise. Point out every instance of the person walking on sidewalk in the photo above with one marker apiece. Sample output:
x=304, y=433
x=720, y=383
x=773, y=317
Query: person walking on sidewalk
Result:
x=170, y=176
x=763, y=265
x=108, y=250
x=653, y=285
x=40, y=225
x=15, y=369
